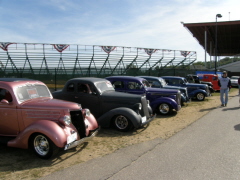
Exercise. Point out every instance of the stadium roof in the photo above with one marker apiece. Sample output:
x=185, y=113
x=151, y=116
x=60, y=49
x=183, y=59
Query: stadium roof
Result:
x=228, y=36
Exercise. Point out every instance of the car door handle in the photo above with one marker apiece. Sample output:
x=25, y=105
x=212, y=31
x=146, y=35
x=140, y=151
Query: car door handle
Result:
x=76, y=97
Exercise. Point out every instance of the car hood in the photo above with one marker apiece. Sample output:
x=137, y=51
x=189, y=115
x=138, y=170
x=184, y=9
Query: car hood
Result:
x=121, y=96
x=196, y=85
x=173, y=87
x=162, y=91
x=49, y=103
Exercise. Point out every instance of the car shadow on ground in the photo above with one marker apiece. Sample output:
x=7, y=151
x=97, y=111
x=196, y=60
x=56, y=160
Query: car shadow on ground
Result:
x=24, y=159
x=237, y=127
x=112, y=132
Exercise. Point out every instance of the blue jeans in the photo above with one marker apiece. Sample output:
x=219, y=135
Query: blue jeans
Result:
x=224, y=99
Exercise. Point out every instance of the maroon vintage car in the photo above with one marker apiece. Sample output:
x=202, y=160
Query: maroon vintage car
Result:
x=31, y=118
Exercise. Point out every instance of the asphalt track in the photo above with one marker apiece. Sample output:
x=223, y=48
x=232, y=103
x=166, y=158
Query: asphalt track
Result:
x=207, y=149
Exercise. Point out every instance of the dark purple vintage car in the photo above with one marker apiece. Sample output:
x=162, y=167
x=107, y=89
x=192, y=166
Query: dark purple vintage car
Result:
x=123, y=111
x=162, y=101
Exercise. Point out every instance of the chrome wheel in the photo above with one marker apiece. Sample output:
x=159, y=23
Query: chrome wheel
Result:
x=164, y=108
x=200, y=96
x=41, y=145
x=122, y=123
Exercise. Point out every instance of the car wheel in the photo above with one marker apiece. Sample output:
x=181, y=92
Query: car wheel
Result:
x=164, y=109
x=43, y=146
x=200, y=96
x=122, y=123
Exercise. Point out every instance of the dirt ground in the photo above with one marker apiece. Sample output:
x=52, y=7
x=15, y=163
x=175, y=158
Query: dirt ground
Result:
x=23, y=164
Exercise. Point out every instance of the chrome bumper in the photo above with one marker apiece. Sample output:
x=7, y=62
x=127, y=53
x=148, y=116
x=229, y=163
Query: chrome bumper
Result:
x=149, y=120
x=76, y=143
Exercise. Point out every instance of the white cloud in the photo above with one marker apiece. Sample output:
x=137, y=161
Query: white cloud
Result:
x=136, y=23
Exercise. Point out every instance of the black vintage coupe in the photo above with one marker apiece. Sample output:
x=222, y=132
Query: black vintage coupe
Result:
x=122, y=110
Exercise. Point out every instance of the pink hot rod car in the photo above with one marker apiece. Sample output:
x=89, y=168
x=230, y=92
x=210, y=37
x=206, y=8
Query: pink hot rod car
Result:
x=31, y=118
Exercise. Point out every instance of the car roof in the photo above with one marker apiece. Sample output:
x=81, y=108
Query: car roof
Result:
x=210, y=75
x=177, y=77
x=89, y=79
x=14, y=79
x=153, y=77
x=126, y=77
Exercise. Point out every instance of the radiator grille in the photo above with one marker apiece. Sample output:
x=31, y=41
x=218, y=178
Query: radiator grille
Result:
x=78, y=122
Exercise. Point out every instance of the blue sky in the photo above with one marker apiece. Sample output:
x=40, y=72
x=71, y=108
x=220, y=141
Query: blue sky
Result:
x=132, y=23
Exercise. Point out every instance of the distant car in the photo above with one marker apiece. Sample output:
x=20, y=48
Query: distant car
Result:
x=111, y=108
x=192, y=78
x=31, y=118
x=234, y=81
x=162, y=101
x=197, y=91
x=213, y=78
x=158, y=82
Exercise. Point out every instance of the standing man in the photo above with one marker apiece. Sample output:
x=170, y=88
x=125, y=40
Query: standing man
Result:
x=225, y=85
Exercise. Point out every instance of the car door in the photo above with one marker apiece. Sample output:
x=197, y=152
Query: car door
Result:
x=88, y=97
x=119, y=85
x=134, y=87
x=8, y=119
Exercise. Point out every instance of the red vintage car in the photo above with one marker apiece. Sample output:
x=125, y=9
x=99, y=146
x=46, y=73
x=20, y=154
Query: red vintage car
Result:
x=31, y=118
x=213, y=78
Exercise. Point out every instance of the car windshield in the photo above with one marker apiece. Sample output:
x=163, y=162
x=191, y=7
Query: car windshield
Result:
x=185, y=80
x=31, y=91
x=234, y=77
x=145, y=83
x=104, y=86
x=163, y=82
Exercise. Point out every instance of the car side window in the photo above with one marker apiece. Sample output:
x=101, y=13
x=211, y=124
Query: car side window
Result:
x=168, y=81
x=5, y=94
x=155, y=84
x=82, y=88
x=118, y=84
x=134, y=85
x=70, y=87
x=174, y=81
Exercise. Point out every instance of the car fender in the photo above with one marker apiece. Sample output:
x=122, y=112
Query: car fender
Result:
x=183, y=98
x=194, y=93
x=49, y=128
x=155, y=103
x=105, y=119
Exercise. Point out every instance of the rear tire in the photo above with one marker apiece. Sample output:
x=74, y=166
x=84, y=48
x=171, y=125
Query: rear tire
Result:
x=122, y=123
x=164, y=109
x=200, y=96
x=43, y=147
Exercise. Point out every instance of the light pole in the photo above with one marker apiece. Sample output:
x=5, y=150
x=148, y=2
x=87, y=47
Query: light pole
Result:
x=217, y=16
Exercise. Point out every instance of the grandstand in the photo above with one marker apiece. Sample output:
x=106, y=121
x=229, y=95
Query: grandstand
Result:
x=37, y=60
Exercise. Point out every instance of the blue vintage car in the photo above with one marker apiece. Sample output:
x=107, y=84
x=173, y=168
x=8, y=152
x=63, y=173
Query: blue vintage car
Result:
x=158, y=82
x=197, y=91
x=162, y=101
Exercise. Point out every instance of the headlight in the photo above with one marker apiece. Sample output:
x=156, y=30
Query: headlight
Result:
x=86, y=112
x=138, y=106
x=67, y=120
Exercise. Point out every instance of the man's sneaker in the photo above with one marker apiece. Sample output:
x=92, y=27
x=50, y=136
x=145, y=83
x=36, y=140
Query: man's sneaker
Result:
x=222, y=105
x=225, y=104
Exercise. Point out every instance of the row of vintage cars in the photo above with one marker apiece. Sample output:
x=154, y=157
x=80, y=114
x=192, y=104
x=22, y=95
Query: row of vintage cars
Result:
x=33, y=117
